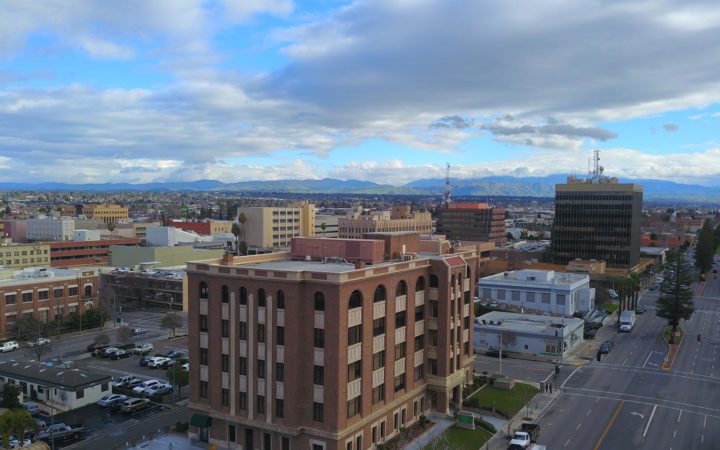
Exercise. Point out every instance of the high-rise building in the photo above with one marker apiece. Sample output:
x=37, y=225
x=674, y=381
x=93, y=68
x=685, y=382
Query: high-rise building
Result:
x=272, y=227
x=472, y=222
x=597, y=218
x=329, y=346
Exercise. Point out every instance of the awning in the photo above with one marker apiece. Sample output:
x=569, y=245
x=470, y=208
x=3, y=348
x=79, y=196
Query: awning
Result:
x=200, y=420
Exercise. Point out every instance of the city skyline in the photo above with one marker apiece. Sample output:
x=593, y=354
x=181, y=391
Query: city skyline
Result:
x=379, y=91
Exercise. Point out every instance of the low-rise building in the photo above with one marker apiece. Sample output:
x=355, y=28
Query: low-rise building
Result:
x=19, y=256
x=207, y=227
x=529, y=334
x=133, y=256
x=159, y=288
x=45, y=294
x=108, y=213
x=50, y=229
x=61, y=389
x=86, y=235
x=85, y=253
x=14, y=229
x=171, y=236
x=543, y=291
x=398, y=220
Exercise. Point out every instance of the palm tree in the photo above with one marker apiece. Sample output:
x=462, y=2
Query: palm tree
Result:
x=635, y=283
x=241, y=220
x=322, y=227
x=236, y=232
x=16, y=422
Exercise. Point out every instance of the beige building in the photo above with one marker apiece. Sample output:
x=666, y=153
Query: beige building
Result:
x=132, y=256
x=19, y=256
x=108, y=213
x=401, y=218
x=268, y=227
x=137, y=230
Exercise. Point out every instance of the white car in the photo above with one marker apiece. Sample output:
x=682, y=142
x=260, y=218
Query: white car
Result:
x=9, y=346
x=162, y=388
x=40, y=341
x=140, y=388
x=157, y=361
x=111, y=399
x=186, y=367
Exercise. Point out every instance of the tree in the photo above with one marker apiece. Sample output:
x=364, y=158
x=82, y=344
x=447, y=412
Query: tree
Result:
x=178, y=376
x=241, y=220
x=102, y=339
x=675, y=301
x=111, y=227
x=17, y=422
x=172, y=321
x=705, y=248
x=123, y=334
x=10, y=396
x=236, y=232
x=322, y=227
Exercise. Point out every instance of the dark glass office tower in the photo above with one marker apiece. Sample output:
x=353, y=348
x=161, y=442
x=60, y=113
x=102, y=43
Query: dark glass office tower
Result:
x=597, y=219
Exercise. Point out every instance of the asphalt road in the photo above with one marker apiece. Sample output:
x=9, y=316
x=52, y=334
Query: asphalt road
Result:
x=628, y=402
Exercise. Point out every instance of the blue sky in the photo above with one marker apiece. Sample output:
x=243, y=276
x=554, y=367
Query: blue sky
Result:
x=382, y=91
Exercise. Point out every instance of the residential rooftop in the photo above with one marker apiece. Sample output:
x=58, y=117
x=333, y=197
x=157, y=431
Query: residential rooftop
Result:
x=538, y=276
x=40, y=373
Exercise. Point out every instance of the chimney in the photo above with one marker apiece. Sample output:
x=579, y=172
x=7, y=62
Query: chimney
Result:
x=228, y=259
x=359, y=264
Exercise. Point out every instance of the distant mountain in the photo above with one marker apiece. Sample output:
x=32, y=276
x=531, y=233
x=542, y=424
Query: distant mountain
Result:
x=487, y=186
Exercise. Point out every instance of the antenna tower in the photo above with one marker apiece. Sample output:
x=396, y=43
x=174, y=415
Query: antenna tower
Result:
x=596, y=166
x=446, y=196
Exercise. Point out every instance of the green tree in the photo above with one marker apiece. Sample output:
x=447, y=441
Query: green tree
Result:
x=123, y=334
x=10, y=396
x=675, y=301
x=236, y=232
x=172, y=321
x=242, y=218
x=705, y=248
x=322, y=227
x=18, y=421
x=111, y=227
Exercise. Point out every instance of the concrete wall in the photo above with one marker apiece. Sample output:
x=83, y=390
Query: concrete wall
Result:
x=126, y=256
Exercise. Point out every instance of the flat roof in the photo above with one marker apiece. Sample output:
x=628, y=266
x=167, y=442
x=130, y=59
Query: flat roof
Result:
x=23, y=277
x=559, y=278
x=527, y=323
x=40, y=373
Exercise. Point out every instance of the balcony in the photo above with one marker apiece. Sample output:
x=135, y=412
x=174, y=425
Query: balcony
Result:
x=399, y=367
x=378, y=343
x=419, y=328
x=354, y=353
x=318, y=393
x=433, y=294
x=378, y=377
x=419, y=298
x=354, y=317
x=319, y=319
x=400, y=303
x=466, y=284
x=354, y=389
x=400, y=335
x=418, y=358
x=378, y=310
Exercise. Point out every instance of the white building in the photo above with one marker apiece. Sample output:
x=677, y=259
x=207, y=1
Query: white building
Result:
x=540, y=291
x=63, y=389
x=50, y=229
x=527, y=333
x=171, y=236
x=86, y=235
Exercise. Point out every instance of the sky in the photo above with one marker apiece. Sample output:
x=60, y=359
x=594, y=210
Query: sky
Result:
x=386, y=91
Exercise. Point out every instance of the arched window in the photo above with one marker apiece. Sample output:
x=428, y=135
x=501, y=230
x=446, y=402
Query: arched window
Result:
x=319, y=301
x=225, y=294
x=243, y=296
x=380, y=294
x=433, y=280
x=280, y=299
x=401, y=288
x=420, y=284
x=203, y=290
x=261, y=298
x=355, y=300
x=88, y=291
x=467, y=271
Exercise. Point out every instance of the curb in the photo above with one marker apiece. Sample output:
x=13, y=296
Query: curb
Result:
x=673, y=350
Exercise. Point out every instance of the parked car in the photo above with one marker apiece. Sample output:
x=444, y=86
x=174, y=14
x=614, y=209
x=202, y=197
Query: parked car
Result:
x=145, y=359
x=141, y=349
x=158, y=389
x=140, y=388
x=39, y=341
x=133, y=405
x=175, y=354
x=61, y=432
x=105, y=353
x=9, y=346
x=604, y=348
x=640, y=309
x=96, y=346
x=111, y=399
x=119, y=354
x=169, y=363
x=186, y=367
x=31, y=407
x=157, y=362
x=139, y=331
x=124, y=381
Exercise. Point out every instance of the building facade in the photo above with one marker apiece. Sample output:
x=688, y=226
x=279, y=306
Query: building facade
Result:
x=20, y=256
x=328, y=351
x=85, y=253
x=144, y=289
x=50, y=229
x=399, y=219
x=271, y=227
x=597, y=219
x=472, y=222
x=108, y=213
x=527, y=334
x=45, y=294
x=14, y=229
x=207, y=227
x=541, y=291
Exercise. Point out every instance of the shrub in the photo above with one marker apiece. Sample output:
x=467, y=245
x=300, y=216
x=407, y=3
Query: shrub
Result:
x=485, y=425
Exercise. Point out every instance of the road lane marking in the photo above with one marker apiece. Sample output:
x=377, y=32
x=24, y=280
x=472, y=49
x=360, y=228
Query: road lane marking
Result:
x=578, y=426
x=609, y=425
x=674, y=434
x=625, y=362
x=571, y=375
x=669, y=403
x=652, y=414
x=567, y=442
x=705, y=421
x=648, y=358
x=679, y=416
x=588, y=412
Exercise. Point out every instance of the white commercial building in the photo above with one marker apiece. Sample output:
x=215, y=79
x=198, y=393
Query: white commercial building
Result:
x=540, y=291
x=50, y=229
x=171, y=236
x=61, y=389
x=86, y=235
x=527, y=333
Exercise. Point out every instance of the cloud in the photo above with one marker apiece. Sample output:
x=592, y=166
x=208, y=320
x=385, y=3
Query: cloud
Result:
x=671, y=127
x=453, y=122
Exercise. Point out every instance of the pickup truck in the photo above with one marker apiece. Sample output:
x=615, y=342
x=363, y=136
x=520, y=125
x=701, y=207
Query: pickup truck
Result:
x=61, y=432
x=525, y=436
x=531, y=447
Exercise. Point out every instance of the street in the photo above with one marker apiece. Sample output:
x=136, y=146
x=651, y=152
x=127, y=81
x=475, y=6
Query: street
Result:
x=628, y=402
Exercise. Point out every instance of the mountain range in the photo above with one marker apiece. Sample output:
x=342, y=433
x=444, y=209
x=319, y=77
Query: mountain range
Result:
x=487, y=186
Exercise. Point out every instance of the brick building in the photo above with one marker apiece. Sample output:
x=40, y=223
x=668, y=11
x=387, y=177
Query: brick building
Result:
x=472, y=222
x=207, y=227
x=45, y=293
x=85, y=253
x=329, y=346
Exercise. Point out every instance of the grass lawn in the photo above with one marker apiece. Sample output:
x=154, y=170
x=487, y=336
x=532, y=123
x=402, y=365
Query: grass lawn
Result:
x=610, y=308
x=461, y=439
x=507, y=403
x=666, y=334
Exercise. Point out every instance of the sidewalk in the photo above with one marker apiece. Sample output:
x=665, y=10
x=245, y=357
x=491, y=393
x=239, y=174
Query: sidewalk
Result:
x=441, y=424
